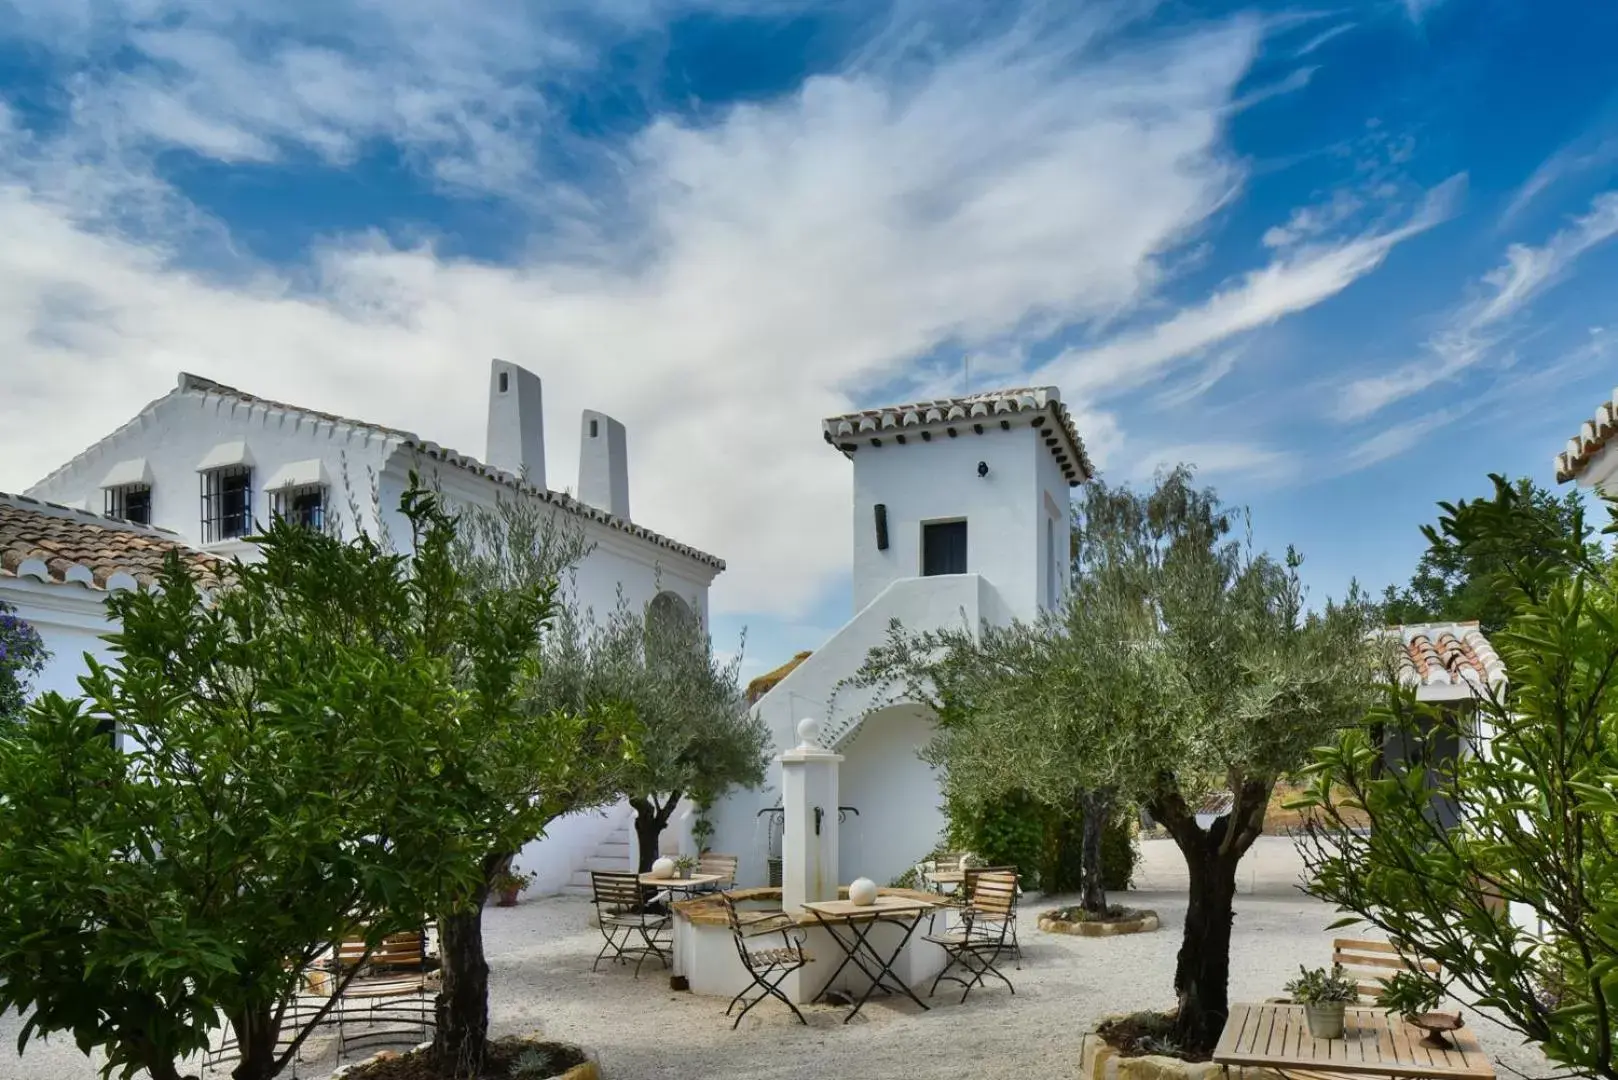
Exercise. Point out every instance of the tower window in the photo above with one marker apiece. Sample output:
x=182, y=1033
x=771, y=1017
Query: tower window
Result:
x=943, y=548
x=227, y=503
x=505, y=381
x=594, y=428
x=304, y=505
x=130, y=502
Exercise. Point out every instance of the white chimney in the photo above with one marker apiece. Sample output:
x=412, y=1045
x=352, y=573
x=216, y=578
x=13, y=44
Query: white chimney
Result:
x=604, y=464
x=516, y=422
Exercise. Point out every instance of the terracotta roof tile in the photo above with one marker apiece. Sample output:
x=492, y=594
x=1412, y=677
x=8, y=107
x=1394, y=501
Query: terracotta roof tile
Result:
x=1446, y=654
x=1591, y=439
x=60, y=544
x=945, y=414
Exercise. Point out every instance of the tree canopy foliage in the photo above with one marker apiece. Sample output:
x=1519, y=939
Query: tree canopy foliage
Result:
x=1456, y=582
x=1182, y=664
x=1519, y=901
x=294, y=752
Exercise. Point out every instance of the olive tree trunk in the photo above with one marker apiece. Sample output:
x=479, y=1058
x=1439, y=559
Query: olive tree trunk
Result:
x=651, y=818
x=1202, y=969
x=1097, y=805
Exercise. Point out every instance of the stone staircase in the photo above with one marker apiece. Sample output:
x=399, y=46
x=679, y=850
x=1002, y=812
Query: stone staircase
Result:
x=615, y=852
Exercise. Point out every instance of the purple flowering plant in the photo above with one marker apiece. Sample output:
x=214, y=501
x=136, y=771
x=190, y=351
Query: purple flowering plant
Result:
x=22, y=656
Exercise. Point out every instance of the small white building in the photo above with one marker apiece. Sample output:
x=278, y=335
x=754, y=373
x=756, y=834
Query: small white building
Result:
x=207, y=461
x=960, y=517
x=1591, y=457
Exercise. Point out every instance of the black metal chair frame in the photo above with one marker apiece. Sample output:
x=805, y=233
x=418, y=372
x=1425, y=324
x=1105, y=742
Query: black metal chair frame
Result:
x=984, y=924
x=767, y=968
x=977, y=946
x=623, y=914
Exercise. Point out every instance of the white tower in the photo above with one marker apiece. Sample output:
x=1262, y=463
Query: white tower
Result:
x=970, y=485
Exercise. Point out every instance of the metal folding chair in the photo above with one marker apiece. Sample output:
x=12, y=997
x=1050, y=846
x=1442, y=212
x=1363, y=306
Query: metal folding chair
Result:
x=723, y=865
x=985, y=924
x=626, y=921
x=768, y=968
x=984, y=934
x=396, y=988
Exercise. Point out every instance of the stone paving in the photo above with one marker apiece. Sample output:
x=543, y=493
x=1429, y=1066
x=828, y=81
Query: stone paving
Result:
x=540, y=954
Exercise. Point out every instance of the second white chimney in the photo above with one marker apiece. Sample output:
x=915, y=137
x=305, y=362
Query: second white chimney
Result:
x=604, y=464
x=516, y=422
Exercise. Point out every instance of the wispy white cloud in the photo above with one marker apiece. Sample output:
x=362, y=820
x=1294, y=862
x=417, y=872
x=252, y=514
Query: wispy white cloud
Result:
x=760, y=268
x=1590, y=151
x=1472, y=332
x=1418, y=10
x=1391, y=442
x=1203, y=381
x=1227, y=460
x=1295, y=281
x=1323, y=37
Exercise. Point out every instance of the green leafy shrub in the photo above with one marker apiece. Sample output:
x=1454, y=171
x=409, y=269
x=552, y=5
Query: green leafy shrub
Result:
x=1009, y=831
x=1061, y=865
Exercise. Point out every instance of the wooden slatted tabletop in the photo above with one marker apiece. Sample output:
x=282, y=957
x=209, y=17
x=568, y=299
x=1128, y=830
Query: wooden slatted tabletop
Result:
x=884, y=905
x=1276, y=1036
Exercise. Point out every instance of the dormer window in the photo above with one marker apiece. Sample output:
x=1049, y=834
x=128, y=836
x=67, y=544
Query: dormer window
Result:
x=227, y=503
x=303, y=505
x=126, y=491
x=128, y=502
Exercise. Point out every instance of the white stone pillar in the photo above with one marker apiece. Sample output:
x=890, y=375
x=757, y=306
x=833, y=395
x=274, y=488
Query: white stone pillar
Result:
x=808, y=846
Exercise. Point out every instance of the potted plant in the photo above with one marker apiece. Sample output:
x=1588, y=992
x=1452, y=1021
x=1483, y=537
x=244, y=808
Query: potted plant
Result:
x=683, y=867
x=508, y=883
x=1323, y=995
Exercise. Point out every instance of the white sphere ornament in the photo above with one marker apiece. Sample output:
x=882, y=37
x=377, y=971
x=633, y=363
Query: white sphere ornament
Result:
x=862, y=893
x=809, y=731
x=663, y=868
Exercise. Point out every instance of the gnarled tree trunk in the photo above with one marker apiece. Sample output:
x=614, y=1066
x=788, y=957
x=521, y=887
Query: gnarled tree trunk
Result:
x=1097, y=805
x=651, y=818
x=462, y=1040
x=1202, y=970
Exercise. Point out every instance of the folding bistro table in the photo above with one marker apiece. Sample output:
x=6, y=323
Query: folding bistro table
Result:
x=1276, y=1036
x=850, y=924
x=681, y=885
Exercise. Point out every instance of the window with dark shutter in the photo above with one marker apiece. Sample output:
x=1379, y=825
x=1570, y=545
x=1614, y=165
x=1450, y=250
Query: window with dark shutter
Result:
x=943, y=548
x=227, y=503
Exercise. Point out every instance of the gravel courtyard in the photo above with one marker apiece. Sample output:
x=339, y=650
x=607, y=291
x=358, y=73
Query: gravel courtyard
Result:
x=540, y=953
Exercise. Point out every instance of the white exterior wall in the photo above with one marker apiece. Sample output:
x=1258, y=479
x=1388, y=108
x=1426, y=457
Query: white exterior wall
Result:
x=178, y=432
x=938, y=481
x=896, y=793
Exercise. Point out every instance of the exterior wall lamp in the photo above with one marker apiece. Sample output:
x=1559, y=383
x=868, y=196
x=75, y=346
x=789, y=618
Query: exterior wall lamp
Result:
x=983, y=468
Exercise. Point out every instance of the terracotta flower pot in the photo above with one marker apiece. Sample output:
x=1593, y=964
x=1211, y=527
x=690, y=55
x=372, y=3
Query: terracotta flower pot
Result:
x=508, y=898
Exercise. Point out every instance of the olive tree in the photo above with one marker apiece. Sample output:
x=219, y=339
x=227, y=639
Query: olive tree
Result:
x=1183, y=664
x=544, y=734
x=1518, y=901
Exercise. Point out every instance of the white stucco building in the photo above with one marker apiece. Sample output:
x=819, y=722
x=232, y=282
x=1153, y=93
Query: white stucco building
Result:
x=1591, y=457
x=206, y=461
x=960, y=515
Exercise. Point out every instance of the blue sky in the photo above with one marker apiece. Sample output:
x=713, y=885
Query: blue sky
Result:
x=1347, y=259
